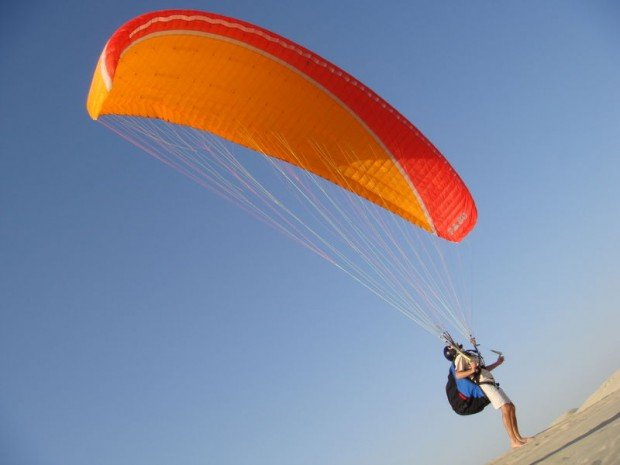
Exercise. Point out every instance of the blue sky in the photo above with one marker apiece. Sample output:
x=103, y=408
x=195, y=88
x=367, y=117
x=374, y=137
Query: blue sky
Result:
x=143, y=320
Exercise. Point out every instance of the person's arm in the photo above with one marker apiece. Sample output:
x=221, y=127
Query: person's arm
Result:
x=497, y=363
x=460, y=374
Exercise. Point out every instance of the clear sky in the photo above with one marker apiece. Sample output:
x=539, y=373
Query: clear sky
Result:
x=143, y=320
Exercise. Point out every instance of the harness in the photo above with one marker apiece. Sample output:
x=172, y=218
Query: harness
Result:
x=464, y=395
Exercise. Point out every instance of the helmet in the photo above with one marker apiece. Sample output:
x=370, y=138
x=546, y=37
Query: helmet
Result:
x=450, y=353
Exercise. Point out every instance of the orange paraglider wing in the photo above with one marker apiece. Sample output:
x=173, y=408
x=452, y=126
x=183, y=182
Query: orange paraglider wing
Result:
x=262, y=91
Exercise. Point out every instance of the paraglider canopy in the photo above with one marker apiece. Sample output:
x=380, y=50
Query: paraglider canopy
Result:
x=262, y=91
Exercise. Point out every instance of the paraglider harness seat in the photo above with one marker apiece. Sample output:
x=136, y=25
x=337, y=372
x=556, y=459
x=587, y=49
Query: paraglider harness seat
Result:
x=464, y=395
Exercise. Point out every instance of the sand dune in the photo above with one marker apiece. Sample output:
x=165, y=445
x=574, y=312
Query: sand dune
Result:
x=589, y=435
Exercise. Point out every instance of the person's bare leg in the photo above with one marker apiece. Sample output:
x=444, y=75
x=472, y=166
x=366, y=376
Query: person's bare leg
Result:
x=513, y=414
x=507, y=418
x=513, y=423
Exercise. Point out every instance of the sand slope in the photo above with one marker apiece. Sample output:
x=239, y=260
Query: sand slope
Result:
x=589, y=435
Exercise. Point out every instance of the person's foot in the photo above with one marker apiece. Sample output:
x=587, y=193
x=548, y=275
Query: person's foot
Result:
x=516, y=444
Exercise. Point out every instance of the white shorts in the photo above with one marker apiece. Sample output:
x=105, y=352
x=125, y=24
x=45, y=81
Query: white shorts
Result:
x=495, y=394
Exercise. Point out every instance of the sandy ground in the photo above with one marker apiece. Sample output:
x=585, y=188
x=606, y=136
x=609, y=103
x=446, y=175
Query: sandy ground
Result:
x=589, y=435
